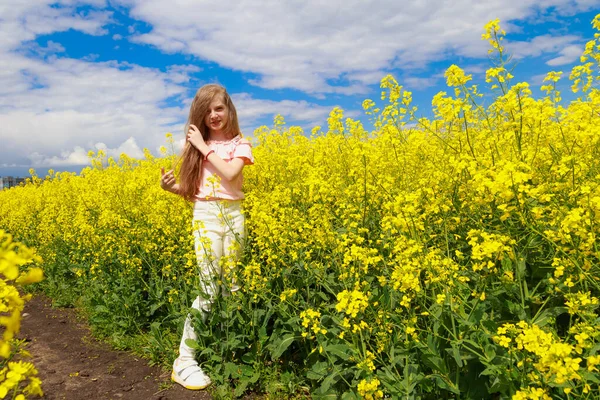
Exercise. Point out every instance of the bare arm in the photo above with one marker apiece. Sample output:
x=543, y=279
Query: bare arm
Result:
x=228, y=170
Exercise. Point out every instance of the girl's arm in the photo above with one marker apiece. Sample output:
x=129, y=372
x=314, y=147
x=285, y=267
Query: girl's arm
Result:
x=228, y=170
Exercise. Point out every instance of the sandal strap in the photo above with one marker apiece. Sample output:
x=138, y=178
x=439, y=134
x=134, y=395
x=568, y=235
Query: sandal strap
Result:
x=186, y=371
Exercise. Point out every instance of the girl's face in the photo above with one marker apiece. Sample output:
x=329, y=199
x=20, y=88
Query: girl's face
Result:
x=217, y=115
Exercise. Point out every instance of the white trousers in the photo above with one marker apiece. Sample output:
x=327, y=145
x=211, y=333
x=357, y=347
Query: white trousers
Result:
x=218, y=239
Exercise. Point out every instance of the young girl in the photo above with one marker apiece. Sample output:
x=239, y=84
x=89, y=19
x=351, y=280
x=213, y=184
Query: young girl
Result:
x=211, y=177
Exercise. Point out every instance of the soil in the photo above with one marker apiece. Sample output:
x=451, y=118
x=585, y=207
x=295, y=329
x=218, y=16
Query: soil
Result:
x=73, y=365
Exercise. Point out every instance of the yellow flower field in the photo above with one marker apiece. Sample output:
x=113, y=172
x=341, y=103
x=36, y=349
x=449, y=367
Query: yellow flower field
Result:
x=18, y=378
x=444, y=257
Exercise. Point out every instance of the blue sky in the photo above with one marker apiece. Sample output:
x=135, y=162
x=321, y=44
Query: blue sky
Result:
x=118, y=75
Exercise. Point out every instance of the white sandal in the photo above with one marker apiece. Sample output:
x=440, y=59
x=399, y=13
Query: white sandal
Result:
x=189, y=375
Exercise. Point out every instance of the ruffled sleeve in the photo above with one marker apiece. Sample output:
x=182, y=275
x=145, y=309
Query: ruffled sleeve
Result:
x=243, y=149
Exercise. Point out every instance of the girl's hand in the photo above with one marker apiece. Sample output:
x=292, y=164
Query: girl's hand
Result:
x=167, y=180
x=195, y=138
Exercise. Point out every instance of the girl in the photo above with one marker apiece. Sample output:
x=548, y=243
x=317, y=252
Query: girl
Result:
x=211, y=177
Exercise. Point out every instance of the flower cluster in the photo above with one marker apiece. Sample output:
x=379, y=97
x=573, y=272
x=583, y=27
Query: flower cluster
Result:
x=370, y=389
x=311, y=321
x=351, y=303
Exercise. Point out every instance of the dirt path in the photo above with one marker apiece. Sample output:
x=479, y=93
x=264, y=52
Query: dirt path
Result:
x=73, y=365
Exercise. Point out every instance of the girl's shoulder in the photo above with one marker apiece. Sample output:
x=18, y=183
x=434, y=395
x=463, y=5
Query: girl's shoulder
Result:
x=227, y=149
x=243, y=140
x=239, y=139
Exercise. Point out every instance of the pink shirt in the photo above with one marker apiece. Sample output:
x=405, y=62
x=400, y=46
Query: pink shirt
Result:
x=213, y=186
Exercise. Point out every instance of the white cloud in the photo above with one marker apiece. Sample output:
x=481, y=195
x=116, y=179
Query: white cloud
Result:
x=564, y=48
x=250, y=110
x=568, y=55
x=569, y=8
x=47, y=106
x=129, y=147
x=253, y=113
x=79, y=155
x=310, y=45
x=540, y=45
x=366, y=77
x=417, y=83
x=473, y=69
x=76, y=157
x=51, y=48
x=25, y=20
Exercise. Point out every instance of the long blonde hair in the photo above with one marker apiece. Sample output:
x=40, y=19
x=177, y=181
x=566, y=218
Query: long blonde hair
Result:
x=191, y=158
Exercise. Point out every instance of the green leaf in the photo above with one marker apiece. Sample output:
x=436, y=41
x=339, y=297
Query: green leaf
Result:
x=341, y=350
x=233, y=343
x=254, y=378
x=412, y=377
x=249, y=358
x=101, y=309
x=590, y=377
x=499, y=385
x=192, y=343
x=350, y=395
x=443, y=382
x=490, y=352
x=491, y=370
x=281, y=346
x=246, y=370
x=477, y=314
x=240, y=388
x=323, y=296
x=257, y=314
x=542, y=318
x=318, y=371
x=595, y=349
x=432, y=344
x=231, y=370
x=393, y=386
x=155, y=307
x=268, y=316
x=456, y=354
x=196, y=313
x=328, y=381
x=521, y=268
x=330, y=395
x=506, y=264
x=517, y=310
x=389, y=375
x=434, y=362
x=262, y=334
